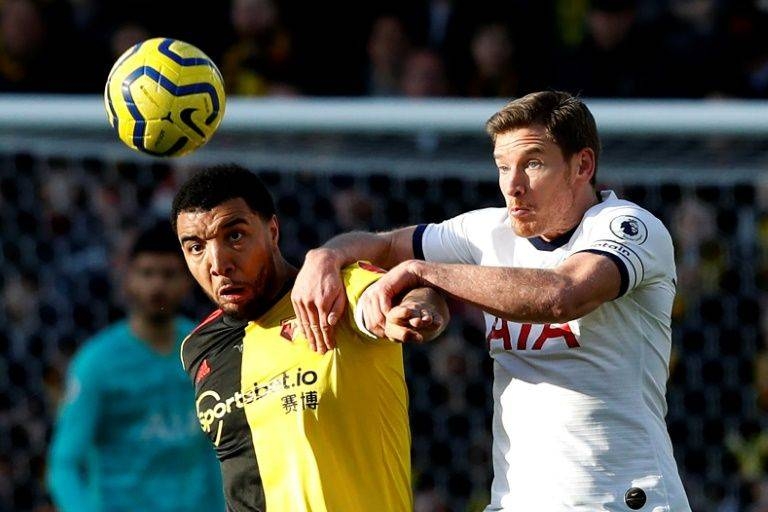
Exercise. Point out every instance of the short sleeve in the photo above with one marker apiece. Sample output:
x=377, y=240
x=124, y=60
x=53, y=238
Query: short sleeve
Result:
x=456, y=240
x=357, y=278
x=635, y=240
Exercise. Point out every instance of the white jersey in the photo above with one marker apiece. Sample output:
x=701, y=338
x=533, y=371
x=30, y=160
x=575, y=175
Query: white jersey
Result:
x=579, y=408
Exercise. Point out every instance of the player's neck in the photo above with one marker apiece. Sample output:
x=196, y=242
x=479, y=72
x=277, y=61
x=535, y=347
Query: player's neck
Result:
x=280, y=284
x=159, y=335
x=285, y=277
x=582, y=203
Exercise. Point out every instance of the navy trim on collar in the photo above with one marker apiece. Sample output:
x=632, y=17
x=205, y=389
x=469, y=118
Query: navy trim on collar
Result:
x=542, y=245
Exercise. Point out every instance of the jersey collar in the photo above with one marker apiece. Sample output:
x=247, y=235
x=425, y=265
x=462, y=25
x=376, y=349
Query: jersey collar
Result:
x=544, y=245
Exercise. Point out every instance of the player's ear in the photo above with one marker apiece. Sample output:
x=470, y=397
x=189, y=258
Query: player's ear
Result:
x=584, y=162
x=274, y=230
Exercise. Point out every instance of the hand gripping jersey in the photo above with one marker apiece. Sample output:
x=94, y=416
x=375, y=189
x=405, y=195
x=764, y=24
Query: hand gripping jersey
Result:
x=578, y=407
x=298, y=431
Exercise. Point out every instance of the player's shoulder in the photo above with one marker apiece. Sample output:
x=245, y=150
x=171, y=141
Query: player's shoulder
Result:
x=185, y=325
x=202, y=336
x=213, y=318
x=624, y=218
x=495, y=215
x=358, y=276
x=99, y=350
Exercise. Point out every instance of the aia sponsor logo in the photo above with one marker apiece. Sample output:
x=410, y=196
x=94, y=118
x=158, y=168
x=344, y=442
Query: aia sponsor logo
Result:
x=514, y=336
x=202, y=371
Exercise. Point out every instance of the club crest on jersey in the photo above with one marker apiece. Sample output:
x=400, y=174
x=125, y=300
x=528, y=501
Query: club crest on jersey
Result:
x=628, y=227
x=289, y=328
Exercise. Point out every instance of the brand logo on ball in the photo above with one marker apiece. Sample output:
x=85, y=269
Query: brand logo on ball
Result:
x=629, y=228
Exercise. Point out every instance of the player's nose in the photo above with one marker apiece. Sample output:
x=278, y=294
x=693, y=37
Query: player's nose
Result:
x=219, y=260
x=514, y=184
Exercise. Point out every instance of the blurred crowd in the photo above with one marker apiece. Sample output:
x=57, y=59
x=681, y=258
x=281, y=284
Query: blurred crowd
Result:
x=62, y=220
x=478, y=48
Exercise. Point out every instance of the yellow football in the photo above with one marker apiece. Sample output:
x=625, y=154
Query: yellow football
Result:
x=164, y=97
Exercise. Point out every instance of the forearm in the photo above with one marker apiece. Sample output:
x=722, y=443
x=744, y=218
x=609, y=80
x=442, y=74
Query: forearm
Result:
x=385, y=249
x=517, y=294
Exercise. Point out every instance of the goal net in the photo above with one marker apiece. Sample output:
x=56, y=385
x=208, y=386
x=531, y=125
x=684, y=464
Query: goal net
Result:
x=70, y=192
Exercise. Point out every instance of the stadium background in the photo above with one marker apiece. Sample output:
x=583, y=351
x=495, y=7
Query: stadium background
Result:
x=70, y=194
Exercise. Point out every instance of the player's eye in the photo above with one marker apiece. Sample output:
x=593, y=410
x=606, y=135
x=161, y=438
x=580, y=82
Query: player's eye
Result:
x=503, y=169
x=534, y=164
x=236, y=236
x=194, y=248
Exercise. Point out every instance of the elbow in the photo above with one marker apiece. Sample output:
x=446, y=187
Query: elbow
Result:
x=562, y=307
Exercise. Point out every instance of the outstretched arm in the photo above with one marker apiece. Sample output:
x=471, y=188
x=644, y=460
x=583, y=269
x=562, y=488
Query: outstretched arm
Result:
x=574, y=288
x=318, y=293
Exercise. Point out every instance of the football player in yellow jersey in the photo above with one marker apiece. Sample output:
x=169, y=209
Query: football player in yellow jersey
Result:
x=294, y=430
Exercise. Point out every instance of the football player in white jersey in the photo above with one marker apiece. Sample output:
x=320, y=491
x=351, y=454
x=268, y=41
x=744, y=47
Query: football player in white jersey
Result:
x=577, y=289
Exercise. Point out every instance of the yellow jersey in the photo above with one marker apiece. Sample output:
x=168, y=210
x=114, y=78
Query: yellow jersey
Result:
x=298, y=431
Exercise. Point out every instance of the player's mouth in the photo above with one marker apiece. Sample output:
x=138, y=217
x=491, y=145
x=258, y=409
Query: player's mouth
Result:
x=232, y=293
x=520, y=211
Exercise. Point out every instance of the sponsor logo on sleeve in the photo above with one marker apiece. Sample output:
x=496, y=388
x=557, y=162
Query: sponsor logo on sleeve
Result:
x=628, y=227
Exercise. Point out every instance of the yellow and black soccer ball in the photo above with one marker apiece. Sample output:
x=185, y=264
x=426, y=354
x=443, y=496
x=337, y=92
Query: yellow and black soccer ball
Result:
x=164, y=97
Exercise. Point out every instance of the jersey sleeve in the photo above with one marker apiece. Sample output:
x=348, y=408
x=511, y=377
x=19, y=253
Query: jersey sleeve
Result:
x=73, y=436
x=357, y=278
x=636, y=241
x=453, y=240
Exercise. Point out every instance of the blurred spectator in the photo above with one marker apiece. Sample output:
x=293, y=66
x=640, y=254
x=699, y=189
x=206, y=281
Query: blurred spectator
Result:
x=424, y=75
x=494, y=68
x=387, y=47
x=691, y=47
x=615, y=57
x=259, y=62
x=125, y=36
x=353, y=209
x=698, y=258
x=746, y=25
x=25, y=62
x=445, y=27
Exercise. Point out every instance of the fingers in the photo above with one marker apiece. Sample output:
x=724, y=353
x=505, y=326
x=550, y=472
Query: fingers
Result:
x=373, y=317
x=317, y=331
x=402, y=334
x=328, y=320
x=318, y=300
x=309, y=321
x=414, y=316
x=410, y=323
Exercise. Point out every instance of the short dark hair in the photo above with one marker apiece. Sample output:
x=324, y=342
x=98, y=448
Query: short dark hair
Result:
x=564, y=116
x=158, y=237
x=212, y=186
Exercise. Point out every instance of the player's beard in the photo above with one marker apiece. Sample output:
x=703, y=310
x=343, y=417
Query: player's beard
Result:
x=262, y=289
